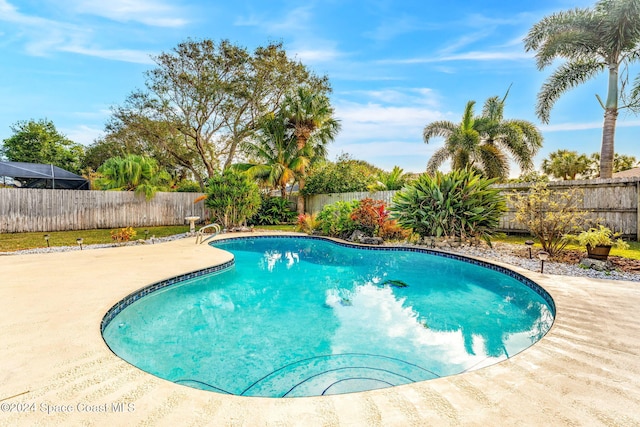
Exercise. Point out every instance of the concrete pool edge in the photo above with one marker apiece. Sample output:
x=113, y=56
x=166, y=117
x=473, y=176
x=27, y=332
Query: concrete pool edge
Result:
x=582, y=372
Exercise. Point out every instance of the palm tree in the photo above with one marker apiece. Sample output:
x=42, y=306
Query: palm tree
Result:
x=591, y=41
x=277, y=160
x=132, y=173
x=480, y=142
x=566, y=164
x=310, y=116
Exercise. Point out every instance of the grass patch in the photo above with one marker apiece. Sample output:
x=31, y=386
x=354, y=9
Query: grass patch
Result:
x=18, y=241
x=632, y=253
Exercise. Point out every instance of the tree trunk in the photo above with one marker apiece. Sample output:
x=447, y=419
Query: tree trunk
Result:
x=301, y=181
x=608, y=150
x=609, y=128
x=301, y=142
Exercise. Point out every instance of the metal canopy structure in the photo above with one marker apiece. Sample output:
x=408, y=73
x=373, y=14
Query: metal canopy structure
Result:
x=36, y=175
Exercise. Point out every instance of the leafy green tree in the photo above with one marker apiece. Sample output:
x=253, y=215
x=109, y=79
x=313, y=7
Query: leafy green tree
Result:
x=480, y=142
x=566, y=164
x=207, y=98
x=277, y=159
x=591, y=41
x=40, y=142
x=344, y=176
x=459, y=204
x=132, y=173
x=310, y=116
x=621, y=162
x=232, y=197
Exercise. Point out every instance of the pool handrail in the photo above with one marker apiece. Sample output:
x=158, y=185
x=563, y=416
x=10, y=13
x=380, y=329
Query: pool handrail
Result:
x=200, y=234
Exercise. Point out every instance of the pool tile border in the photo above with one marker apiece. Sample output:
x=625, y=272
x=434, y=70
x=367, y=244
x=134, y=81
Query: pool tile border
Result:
x=142, y=292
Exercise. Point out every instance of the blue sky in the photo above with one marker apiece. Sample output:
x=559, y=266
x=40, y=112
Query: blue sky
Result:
x=395, y=66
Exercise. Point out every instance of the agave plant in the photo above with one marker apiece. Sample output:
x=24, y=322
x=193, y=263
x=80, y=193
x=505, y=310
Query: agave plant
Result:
x=458, y=204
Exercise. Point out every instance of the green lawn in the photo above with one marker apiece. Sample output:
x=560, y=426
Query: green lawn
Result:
x=17, y=241
x=633, y=252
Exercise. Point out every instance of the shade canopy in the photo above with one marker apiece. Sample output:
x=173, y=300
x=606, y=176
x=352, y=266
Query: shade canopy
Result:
x=36, y=175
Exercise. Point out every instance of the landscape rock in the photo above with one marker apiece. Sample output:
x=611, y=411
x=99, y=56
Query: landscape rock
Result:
x=359, y=237
x=596, y=264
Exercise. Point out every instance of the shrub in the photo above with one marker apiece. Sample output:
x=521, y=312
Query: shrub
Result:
x=458, y=204
x=187, y=186
x=335, y=219
x=273, y=210
x=369, y=215
x=344, y=176
x=123, y=235
x=307, y=223
x=550, y=217
x=232, y=197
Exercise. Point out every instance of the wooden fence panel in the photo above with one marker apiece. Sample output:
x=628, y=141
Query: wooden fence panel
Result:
x=24, y=210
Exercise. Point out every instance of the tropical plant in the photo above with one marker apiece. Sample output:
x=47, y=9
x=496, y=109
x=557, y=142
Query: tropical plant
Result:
x=344, y=176
x=459, y=204
x=600, y=236
x=390, y=181
x=273, y=210
x=369, y=215
x=123, y=235
x=232, y=197
x=132, y=173
x=335, y=219
x=277, y=159
x=566, y=164
x=310, y=116
x=603, y=38
x=481, y=143
x=307, y=223
x=40, y=142
x=550, y=216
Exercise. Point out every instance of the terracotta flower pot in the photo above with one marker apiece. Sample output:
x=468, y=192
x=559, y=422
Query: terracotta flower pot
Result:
x=600, y=252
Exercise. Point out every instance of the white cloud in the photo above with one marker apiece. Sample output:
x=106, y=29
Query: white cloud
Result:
x=316, y=55
x=294, y=21
x=563, y=127
x=83, y=134
x=464, y=56
x=126, y=55
x=44, y=37
x=149, y=12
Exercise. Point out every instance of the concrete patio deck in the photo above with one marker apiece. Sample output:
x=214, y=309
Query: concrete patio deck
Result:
x=55, y=369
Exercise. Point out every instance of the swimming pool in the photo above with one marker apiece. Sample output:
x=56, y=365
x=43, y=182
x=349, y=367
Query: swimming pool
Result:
x=306, y=316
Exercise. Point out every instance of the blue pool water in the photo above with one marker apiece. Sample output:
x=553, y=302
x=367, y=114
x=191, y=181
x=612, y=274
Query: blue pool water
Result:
x=307, y=317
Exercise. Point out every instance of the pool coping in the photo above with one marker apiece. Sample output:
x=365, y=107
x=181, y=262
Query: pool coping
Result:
x=583, y=372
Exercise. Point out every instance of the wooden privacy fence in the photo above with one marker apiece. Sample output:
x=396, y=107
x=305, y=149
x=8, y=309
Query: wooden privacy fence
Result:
x=24, y=210
x=615, y=201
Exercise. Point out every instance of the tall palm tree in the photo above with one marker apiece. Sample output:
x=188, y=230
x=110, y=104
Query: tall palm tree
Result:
x=480, y=142
x=566, y=164
x=277, y=159
x=310, y=116
x=591, y=41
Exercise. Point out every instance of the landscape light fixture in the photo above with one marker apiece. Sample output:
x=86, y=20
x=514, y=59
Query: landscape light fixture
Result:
x=146, y=234
x=529, y=244
x=543, y=257
x=46, y=239
x=79, y=241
